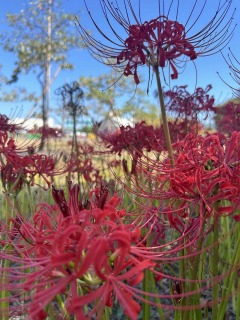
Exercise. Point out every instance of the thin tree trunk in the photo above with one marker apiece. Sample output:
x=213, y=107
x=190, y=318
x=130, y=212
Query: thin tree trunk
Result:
x=47, y=75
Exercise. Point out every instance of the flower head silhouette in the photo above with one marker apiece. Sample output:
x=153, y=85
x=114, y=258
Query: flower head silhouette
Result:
x=155, y=43
x=159, y=42
x=233, y=63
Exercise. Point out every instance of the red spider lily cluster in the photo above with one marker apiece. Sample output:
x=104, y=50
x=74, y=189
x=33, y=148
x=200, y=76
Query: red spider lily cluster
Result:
x=7, y=126
x=83, y=163
x=87, y=253
x=18, y=167
x=187, y=106
x=85, y=168
x=145, y=138
x=27, y=167
x=140, y=137
x=206, y=170
x=47, y=132
x=166, y=235
x=228, y=118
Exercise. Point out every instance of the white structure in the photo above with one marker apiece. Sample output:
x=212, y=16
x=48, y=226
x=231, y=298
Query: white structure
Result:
x=33, y=123
x=112, y=124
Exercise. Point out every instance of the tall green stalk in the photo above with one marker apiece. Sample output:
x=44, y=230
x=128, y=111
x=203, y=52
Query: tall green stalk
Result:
x=193, y=275
x=149, y=285
x=4, y=294
x=238, y=299
x=228, y=283
x=146, y=288
x=214, y=264
x=31, y=205
x=163, y=113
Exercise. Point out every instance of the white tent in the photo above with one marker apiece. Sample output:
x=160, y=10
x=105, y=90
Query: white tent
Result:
x=112, y=124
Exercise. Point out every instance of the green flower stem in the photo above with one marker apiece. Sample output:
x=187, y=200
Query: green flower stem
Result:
x=228, y=283
x=16, y=205
x=225, y=225
x=31, y=206
x=62, y=307
x=146, y=288
x=214, y=264
x=182, y=270
x=182, y=267
x=163, y=114
x=154, y=290
x=190, y=314
x=4, y=294
x=149, y=285
x=238, y=299
x=107, y=313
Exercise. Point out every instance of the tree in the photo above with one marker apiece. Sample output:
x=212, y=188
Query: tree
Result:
x=72, y=96
x=141, y=109
x=41, y=36
x=106, y=96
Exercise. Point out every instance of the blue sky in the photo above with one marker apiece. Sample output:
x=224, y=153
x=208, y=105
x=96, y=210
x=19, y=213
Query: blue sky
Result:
x=85, y=65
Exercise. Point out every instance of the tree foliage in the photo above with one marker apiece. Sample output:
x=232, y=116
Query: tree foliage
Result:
x=40, y=30
x=41, y=36
x=105, y=95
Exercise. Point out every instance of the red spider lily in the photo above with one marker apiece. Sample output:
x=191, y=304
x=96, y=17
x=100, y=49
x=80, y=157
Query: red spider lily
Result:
x=59, y=197
x=7, y=146
x=48, y=132
x=7, y=126
x=88, y=255
x=163, y=40
x=74, y=204
x=11, y=170
x=187, y=106
x=142, y=137
x=27, y=167
x=42, y=165
x=85, y=168
x=180, y=127
x=12, y=180
x=86, y=149
x=212, y=179
x=138, y=138
x=135, y=140
x=228, y=118
x=206, y=170
x=99, y=196
x=37, y=164
x=156, y=225
x=157, y=42
x=86, y=165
